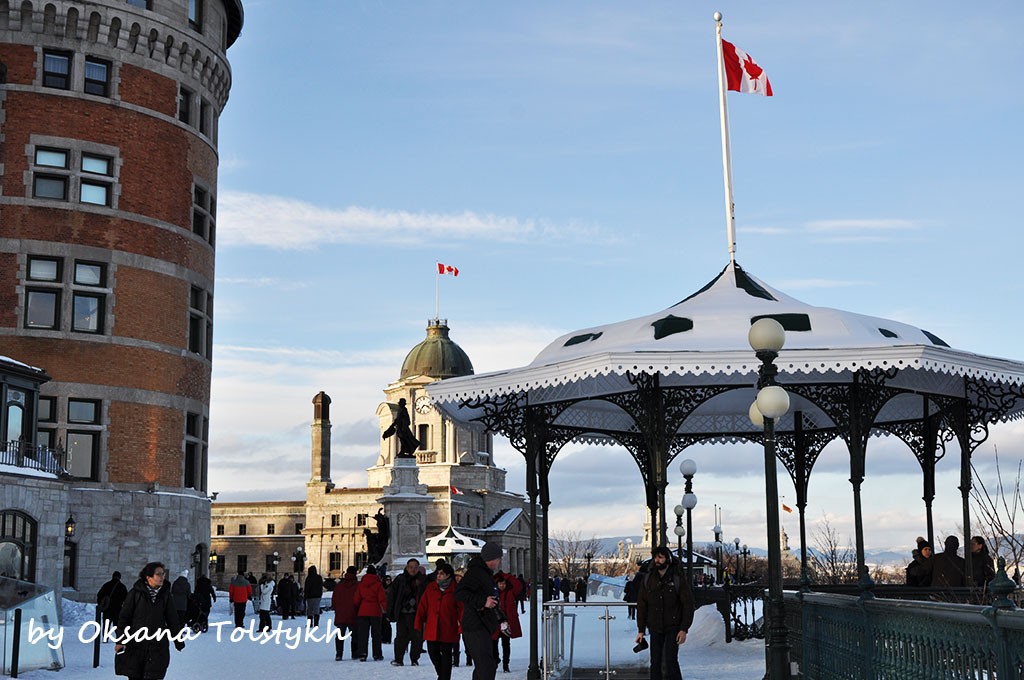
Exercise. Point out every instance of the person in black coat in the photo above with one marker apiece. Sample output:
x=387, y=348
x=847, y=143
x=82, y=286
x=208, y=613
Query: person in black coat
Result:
x=948, y=567
x=147, y=620
x=287, y=594
x=109, y=600
x=181, y=591
x=664, y=607
x=403, y=599
x=204, y=596
x=982, y=568
x=478, y=595
x=313, y=591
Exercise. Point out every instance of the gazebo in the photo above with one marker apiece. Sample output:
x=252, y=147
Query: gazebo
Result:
x=660, y=383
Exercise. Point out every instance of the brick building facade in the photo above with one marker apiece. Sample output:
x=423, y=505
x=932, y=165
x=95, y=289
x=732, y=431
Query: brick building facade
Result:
x=108, y=181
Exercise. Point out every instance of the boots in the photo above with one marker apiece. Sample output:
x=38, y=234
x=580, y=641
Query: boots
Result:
x=504, y=666
x=469, y=660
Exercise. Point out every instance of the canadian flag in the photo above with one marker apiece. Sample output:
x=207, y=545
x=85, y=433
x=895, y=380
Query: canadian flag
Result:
x=787, y=508
x=455, y=491
x=742, y=73
x=447, y=269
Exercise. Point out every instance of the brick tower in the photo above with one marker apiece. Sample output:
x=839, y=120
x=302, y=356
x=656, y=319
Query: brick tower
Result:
x=108, y=206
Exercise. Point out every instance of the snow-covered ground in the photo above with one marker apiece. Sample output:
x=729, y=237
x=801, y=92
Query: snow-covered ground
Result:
x=705, y=654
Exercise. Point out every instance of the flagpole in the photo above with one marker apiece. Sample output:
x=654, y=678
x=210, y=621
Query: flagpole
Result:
x=437, y=285
x=730, y=217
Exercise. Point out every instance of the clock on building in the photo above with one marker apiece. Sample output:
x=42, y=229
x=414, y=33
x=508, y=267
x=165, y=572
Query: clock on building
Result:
x=424, y=404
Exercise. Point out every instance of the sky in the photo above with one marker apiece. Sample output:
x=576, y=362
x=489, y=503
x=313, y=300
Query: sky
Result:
x=566, y=157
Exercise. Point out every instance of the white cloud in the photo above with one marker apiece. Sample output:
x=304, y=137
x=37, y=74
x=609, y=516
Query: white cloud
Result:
x=857, y=225
x=283, y=223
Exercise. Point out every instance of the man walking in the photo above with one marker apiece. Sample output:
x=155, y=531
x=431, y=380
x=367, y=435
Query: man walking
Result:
x=403, y=599
x=239, y=593
x=479, y=597
x=665, y=607
x=109, y=600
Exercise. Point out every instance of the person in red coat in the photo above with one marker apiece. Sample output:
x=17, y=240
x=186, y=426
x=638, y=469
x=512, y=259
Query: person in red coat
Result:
x=344, y=605
x=509, y=590
x=437, y=618
x=239, y=593
x=370, y=602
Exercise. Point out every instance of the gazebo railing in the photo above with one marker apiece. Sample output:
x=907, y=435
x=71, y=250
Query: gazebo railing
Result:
x=840, y=636
x=26, y=455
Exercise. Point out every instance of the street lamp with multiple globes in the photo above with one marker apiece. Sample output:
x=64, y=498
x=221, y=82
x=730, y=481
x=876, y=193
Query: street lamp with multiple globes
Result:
x=736, y=572
x=767, y=337
x=689, y=468
x=718, y=549
x=679, y=530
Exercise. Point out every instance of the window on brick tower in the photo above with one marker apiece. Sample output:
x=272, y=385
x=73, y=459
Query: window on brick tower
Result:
x=86, y=175
x=196, y=448
x=84, y=430
x=200, y=325
x=97, y=77
x=57, y=69
x=204, y=212
x=195, y=15
x=185, y=105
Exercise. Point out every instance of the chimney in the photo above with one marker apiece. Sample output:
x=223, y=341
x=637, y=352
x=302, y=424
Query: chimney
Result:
x=321, y=438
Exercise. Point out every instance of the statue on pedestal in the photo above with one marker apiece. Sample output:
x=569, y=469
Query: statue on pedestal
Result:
x=400, y=426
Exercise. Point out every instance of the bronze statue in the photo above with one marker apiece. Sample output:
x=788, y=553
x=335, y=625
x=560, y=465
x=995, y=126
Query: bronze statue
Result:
x=407, y=441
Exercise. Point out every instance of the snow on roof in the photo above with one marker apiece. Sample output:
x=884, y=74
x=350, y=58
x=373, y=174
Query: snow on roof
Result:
x=505, y=520
x=450, y=542
x=15, y=362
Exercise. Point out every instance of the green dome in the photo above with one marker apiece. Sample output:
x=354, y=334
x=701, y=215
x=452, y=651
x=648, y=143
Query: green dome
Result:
x=437, y=356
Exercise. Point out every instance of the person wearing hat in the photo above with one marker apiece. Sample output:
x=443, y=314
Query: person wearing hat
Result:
x=665, y=607
x=919, y=571
x=478, y=595
x=181, y=591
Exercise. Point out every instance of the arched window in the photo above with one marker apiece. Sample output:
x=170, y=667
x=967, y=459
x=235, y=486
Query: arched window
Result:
x=18, y=535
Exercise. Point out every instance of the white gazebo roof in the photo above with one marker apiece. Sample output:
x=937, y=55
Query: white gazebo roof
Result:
x=451, y=542
x=702, y=340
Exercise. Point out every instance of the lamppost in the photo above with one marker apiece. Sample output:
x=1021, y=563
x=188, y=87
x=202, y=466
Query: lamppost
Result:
x=69, y=528
x=718, y=549
x=736, y=571
x=299, y=560
x=767, y=337
x=744, y=553
x=689, y=468
x=589, y=556
x=277, y=561
x=679, y=529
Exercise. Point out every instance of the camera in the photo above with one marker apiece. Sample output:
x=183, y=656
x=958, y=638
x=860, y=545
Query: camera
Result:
x=641, y=646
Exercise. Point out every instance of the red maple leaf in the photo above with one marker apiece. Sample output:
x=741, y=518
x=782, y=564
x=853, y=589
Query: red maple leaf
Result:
x=752, y=69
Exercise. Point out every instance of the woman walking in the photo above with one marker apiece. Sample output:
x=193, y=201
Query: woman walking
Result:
x=509, y=588
x=370, y=602
x=147, y=621
x=437, y=618
x=264, y=601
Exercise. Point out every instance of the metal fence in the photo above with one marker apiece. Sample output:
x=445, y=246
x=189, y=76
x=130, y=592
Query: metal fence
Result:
x=559, y=641
x=840, y=637
x=26, y=455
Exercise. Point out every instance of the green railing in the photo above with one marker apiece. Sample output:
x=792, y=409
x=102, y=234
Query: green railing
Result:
x=845, y=637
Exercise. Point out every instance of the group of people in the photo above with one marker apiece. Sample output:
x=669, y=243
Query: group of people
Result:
x=478, y=607
x=947, y=569
x=560, y=588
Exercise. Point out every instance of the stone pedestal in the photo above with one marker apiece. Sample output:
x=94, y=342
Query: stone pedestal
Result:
x=405, y=503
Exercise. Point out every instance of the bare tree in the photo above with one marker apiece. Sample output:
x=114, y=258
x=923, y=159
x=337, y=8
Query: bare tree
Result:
x=567, y=551
x=998, y=505
x=831, y=561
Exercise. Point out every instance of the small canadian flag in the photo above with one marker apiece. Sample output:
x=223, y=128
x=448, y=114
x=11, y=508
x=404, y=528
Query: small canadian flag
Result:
x=742, y=72
x=447, y=269
x=455, y=491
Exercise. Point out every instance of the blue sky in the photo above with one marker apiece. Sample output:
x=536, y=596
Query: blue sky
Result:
x=567, y=158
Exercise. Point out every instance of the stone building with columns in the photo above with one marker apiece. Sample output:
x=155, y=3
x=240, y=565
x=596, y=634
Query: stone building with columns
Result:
x=461, y=487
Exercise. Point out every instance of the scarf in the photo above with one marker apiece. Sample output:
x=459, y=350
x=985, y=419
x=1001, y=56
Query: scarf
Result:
x=151, y=592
